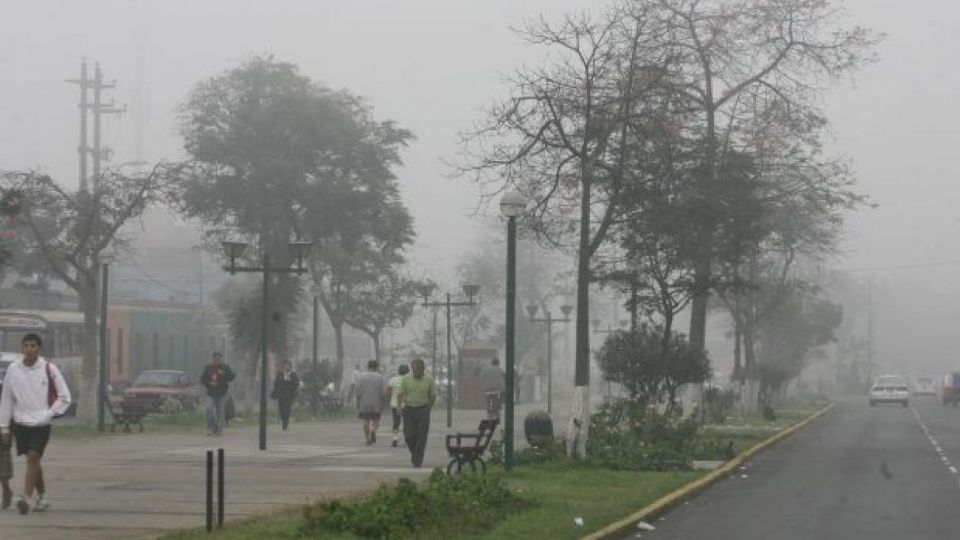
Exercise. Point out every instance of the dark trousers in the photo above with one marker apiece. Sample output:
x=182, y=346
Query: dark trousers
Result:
x=416, y=425
x=284, y=404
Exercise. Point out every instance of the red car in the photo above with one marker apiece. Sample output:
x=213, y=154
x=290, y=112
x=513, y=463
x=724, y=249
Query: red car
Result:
x=152, y=388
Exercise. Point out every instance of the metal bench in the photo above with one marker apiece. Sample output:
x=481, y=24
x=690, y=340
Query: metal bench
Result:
x=126, y=412
x=466, y=449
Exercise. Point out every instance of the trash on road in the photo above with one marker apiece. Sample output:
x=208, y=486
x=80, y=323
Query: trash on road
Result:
x=643, y=525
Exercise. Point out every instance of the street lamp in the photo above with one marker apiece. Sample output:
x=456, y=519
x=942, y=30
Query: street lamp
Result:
x=512, y=205
x=299, y=251
x=470, y=291
x=549, y=321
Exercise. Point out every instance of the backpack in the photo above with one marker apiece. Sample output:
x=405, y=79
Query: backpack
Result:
x=51, y=386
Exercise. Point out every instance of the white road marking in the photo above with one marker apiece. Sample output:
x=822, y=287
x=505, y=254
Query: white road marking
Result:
x=934, y=443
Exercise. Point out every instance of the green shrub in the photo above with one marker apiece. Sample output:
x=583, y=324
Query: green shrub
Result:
x=626, y=435
x=444, y=505
x=718, y=404
x=548, y=451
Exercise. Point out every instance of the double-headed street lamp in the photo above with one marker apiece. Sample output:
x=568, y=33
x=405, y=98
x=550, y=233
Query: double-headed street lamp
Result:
x=549, y=321
x=299, y=251
x=512, y=205
x=469, y=290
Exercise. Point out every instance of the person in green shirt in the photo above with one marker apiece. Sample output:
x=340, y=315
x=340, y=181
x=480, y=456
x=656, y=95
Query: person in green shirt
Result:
x=418, y=392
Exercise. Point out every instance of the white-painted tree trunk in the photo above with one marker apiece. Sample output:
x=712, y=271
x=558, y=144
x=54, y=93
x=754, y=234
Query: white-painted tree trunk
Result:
x=578, y=424
x=749, y=397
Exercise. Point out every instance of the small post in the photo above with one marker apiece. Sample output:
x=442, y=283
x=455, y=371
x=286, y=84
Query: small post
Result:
x=220, y=488
x=209, y=490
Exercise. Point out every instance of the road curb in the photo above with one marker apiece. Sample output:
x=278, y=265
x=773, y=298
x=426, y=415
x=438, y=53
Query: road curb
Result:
x=683, y=493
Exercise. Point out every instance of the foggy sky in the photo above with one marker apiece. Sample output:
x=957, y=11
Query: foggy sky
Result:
x=431, y=64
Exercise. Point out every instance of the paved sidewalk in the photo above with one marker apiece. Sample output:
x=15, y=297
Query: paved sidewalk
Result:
x=141, y=485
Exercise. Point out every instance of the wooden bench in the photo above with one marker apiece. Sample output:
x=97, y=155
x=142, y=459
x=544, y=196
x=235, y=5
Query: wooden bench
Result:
x=466, y=449
x=126, y=412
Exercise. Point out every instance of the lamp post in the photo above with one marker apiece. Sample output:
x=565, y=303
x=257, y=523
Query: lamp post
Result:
x=470, y=291
x=299, y=251
x=549, y=321
x=512, y=205
x=104, y=344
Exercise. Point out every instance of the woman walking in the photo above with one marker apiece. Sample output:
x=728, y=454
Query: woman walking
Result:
x=285, y=388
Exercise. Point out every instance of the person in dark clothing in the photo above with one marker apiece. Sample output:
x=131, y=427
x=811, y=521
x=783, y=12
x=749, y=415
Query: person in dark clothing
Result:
x=285, y=388
x=216, y=378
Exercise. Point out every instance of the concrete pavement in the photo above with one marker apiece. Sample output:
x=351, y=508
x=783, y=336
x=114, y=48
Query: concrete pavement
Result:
x=858, y=473
x=140, y=485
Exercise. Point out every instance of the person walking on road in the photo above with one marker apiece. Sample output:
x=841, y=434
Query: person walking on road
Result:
x=418, y=392
x=393, y=390
x=494, y=383
x=285, y=387
x=216, y=378
x=34, y=391
x=371, y=394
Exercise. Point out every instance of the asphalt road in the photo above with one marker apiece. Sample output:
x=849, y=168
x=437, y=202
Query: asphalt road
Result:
x=887, y=472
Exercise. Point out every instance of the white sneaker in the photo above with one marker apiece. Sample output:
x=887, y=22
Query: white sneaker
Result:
x=41, y=505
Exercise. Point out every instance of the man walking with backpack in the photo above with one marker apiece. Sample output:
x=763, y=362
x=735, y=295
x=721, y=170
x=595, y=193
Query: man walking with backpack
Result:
x=216, y=378
x=34, y=391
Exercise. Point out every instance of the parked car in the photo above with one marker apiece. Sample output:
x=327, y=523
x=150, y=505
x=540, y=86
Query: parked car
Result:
x=923, y=386
x=890, y=389
x=950, y=393
x=152, y=388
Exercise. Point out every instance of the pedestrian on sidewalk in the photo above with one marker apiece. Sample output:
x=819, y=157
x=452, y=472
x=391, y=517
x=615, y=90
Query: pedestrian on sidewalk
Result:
x=34, y=391
x=418, y=392
x=285, y=387
x=354, y=379
x=494, y=383
x=393, y=391
x=371, y=395
x=216, y=378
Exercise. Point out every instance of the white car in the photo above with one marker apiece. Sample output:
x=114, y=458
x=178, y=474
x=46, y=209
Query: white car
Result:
x=923, y=386
x=890, y=389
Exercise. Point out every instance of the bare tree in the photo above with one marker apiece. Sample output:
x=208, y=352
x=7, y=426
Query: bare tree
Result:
x=67, y=232
x=728, y=51
x=565, y=138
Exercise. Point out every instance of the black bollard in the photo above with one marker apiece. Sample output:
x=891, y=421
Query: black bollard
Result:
x=209, y=490
x=220, y=488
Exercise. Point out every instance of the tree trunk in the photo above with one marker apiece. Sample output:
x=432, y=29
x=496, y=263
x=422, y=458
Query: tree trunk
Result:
x=375, y=338
x=580, y=410
x=338, y=338
x=87, y=404
x=737, y=340
x=698, y=305
x=252, y=377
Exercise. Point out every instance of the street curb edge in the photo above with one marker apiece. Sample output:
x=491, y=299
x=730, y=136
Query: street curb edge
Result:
x=684, y=492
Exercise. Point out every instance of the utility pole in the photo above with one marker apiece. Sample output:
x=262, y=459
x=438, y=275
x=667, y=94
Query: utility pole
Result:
x=870, y=331
x=98, y=108
x=82, y=148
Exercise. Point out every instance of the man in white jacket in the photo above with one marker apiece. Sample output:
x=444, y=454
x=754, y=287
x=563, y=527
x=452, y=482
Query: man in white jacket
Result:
x=34, y=391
